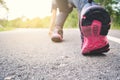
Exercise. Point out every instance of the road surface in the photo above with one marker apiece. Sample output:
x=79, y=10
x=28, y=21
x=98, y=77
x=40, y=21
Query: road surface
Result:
x=29, y=54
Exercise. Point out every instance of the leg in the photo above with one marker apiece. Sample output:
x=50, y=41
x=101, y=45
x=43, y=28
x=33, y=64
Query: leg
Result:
x=52, y=23
x=79, y=5
x=60, y=20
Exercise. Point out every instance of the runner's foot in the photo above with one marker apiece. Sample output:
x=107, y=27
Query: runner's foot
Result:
x=57, y=35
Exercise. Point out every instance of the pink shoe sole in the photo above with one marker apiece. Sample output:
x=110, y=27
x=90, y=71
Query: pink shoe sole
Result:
x=93, y=41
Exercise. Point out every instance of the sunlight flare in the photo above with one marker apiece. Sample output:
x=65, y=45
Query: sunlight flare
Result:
x=28, y=8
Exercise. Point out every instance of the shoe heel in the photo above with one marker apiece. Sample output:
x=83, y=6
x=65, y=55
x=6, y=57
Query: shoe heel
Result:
x=96, y=27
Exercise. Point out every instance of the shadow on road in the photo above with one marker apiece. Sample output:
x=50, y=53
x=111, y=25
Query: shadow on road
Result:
x=95, y=55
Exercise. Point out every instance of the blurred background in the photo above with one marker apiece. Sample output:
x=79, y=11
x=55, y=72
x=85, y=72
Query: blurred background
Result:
x=36, y=14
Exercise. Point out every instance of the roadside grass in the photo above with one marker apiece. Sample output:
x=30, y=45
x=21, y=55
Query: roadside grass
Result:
x=6, y=28
x=114, y=27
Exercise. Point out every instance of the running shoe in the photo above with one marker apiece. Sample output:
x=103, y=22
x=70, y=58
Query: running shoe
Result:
x=95, y=24
x=57, y=35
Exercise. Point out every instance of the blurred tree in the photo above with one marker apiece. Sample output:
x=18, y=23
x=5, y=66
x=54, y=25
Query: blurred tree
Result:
x=3, y=21
x=72, y=20
x=108, y=4
x=2, y=3
x=46, y=21
x=113, y=7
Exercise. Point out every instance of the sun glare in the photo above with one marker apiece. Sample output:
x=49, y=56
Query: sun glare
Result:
x=28, y=8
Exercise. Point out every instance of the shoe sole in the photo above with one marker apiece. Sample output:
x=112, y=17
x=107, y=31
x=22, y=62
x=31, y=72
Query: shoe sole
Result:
x=97, y=15
x=100, y=50
x=56, y=39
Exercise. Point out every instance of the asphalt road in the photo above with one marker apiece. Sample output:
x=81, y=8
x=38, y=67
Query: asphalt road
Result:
x=29, y=54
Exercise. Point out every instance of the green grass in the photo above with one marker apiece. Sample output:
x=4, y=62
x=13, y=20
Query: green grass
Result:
x=115, y=27
x=6, y=28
